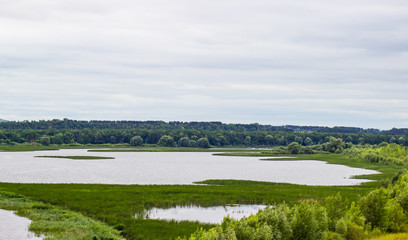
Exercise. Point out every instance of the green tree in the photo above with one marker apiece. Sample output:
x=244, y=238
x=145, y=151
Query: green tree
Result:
x=166, y=141
x=184, y=142
x=136, y=141
x=45, y=141
x=269, y=139
x=294, y=148
x=335, y=145
x=248, y=141
x=373, y=207
x=309, y=221
x=98, y=138
x=68, y=137
x=336, y=207
x=203, y=143
x=308, y=141
x=299, y=140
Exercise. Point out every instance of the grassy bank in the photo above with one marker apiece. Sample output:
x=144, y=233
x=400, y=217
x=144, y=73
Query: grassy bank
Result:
x=55, y=222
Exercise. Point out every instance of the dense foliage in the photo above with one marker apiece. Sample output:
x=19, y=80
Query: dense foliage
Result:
x=384, y=153
x=205, y=126
x=381, y=210
x=185, y=133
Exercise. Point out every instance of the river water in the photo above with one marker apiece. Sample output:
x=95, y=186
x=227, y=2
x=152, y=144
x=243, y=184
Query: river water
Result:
x=212, y=215
x=167, y=168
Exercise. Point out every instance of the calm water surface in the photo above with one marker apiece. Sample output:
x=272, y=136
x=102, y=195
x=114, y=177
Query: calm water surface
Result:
x=167, y=168
x=13, y=227
x=203, y=214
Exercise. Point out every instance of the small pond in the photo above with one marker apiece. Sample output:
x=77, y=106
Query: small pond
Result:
x=167, y=168
x=13, y=227
x=212, y=215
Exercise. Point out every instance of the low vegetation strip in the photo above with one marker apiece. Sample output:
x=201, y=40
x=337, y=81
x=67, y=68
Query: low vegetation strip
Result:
x=56, y=223
x=78, y=157
x=171, y=149
x=393, y=236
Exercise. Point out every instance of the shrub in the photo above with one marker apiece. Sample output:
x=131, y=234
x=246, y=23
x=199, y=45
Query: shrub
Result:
x=136, y=141
x=294, y=148
x=373, y=207
x=203, y=143
x=166, y=141
x=184, y=142
x=45, y=141
x=309, y=221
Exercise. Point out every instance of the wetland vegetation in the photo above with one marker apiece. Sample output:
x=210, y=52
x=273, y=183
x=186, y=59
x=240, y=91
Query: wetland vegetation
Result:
x=337, y=212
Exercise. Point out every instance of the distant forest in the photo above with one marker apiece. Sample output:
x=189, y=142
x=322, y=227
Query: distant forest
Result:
x=68, y=131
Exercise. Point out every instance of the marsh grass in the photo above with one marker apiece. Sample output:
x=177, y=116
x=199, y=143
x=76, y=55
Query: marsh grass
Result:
x=117, y=205
x=393, y=236
x=55, y=222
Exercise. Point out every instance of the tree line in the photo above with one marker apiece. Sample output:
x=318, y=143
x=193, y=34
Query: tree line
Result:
x=189, y=137
x=204, y=126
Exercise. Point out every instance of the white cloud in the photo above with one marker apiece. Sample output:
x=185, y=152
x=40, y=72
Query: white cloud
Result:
x=279, y=62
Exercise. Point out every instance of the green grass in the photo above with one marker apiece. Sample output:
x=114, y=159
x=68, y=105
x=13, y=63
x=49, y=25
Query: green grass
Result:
x=21, y=148
x=117, y=205
x=78, y=157
x=55, y=222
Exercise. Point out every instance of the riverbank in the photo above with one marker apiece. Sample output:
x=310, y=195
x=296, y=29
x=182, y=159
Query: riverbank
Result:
x=56, y=222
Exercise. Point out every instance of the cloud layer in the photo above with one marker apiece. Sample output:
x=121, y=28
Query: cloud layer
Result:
x=275, y=62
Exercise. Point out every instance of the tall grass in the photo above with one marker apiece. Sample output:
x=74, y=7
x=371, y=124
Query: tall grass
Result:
x=55, y=222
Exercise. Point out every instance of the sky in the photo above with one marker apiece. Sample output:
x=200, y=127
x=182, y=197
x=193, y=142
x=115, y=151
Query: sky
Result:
x=278, y=62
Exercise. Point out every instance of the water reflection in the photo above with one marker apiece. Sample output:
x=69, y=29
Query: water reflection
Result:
x=202, y=214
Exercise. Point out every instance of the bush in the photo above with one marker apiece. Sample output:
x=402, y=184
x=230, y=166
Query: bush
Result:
x=166, y=141
x=309, y=221
x=184, y=142
x=45, y=141
x=373, y=207
x=136, y=141
x=203, y=143
x=294, y=148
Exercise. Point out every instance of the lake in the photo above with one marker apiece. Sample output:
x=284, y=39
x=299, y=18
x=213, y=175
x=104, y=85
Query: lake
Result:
x=212, y=215
x=167, y=168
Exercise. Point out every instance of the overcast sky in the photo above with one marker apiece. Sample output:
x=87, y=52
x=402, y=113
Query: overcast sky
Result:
x=316, y=62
